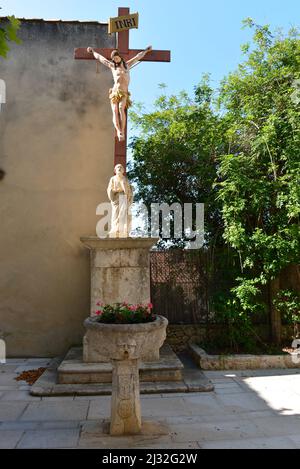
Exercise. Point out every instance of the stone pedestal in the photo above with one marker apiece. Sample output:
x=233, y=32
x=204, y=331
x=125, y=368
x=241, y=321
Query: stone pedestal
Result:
x=125, y=404
x=120, y=270
x=125, y=401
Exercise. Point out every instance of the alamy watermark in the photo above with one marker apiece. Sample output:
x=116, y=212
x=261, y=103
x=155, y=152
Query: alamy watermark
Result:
x=2, y=93
x=169, y=222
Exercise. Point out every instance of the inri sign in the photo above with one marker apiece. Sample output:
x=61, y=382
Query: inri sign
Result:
x=123, y=23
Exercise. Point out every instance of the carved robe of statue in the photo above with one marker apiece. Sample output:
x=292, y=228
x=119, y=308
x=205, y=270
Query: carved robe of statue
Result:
x=120, y=194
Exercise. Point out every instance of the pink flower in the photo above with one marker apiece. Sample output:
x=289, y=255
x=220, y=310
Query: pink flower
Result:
x=100, y=304
x=133, y=307
x=150, y=306
x=98, y=313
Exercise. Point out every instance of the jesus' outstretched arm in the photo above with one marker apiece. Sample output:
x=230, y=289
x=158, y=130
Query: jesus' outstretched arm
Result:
x=138, y=57
x=99, y=57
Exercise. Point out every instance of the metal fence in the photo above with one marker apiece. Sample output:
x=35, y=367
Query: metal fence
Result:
x=179, y=285
x=184, y=283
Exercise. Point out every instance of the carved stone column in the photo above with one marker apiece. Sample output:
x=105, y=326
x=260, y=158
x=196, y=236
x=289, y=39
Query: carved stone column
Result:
x=125, y=404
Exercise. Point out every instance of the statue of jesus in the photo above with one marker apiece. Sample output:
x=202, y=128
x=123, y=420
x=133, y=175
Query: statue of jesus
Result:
x=119, y=95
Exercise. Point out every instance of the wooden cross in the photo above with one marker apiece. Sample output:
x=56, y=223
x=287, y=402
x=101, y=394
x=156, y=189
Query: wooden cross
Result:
x=123, y=47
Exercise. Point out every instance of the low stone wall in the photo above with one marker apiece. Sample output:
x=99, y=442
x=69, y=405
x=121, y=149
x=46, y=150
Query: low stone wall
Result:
x=179, y=336
x=241, y=362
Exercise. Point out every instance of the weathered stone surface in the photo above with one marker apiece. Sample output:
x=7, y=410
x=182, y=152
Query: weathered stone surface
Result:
x=192, y=382
x=9, y=438
x=124, y=345
x=100, y=339
x=84, y=390
x=179, y=336
x=49, y=439
x=11, y=410
x=126, y=416
x=120, y=270
x=95, y=434
x=163, y=407
x=269, y=400
x=240, y=362
x=17, y=396
x=74, y=371
x=60, y=410
x=197, y=382
x=252, y=443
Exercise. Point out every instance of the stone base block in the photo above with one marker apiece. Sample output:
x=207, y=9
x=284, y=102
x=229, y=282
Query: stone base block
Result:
x=74, y=371
x=120, y=270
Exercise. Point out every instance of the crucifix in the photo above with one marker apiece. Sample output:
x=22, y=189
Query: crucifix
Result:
x=120, y=61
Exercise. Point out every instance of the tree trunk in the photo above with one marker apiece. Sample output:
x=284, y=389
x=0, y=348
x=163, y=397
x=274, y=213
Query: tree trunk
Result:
x=290, y=278
x=275, y=317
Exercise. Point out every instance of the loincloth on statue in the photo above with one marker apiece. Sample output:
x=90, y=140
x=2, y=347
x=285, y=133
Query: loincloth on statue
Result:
x=116, y=97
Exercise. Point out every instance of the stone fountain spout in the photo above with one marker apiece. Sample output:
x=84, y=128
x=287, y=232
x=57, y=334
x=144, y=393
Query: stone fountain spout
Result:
x=126, y=409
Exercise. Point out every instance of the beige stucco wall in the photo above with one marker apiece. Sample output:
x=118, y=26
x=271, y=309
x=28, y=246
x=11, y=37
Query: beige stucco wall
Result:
x=56, y=147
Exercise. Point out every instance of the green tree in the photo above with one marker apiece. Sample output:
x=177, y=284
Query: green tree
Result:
x=8, y=33
x=259, y=178
x=242, y=160
x=174, y=156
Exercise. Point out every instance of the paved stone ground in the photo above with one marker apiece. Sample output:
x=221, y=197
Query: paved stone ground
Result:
x=255, y=409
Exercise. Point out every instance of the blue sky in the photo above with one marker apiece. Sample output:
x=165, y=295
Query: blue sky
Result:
x=204, y=36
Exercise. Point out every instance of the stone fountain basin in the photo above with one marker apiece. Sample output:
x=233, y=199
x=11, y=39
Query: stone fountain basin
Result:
x=104, y=342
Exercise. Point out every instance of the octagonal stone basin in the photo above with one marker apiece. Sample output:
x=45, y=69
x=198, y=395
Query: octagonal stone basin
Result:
x=104, y=342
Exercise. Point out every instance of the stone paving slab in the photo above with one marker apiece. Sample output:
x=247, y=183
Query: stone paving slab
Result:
x=10, y=411
x=19, y=425
x=21, y=368
x=10, y=438
x=251, y=443
x=279, y=425
x=15, y=361
x=17, y=395
x=215, y=431
x=49, y=439
x=150, y=408
x=38, y=361
x=163, y=407
x=207, y=405
x=171, y=445
x=99, y=409
x=95, y=434
x=241, y=402
x=60, y=425
x=61, y=410
x=6, y=368
x=8, y=379
x=295, y=438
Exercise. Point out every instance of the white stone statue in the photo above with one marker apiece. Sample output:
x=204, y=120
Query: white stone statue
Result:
x=120, y=194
